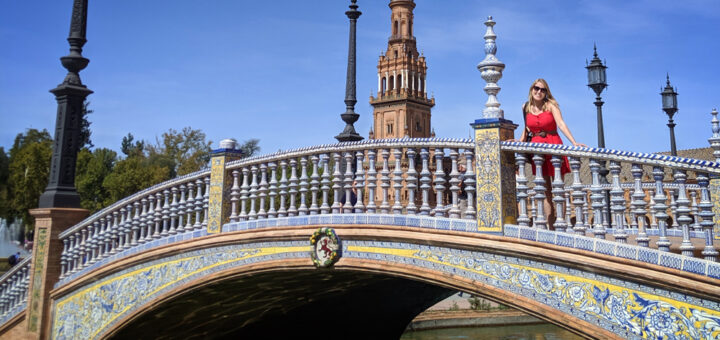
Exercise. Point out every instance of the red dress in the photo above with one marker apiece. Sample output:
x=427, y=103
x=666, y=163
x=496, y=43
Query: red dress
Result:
x=546, y=122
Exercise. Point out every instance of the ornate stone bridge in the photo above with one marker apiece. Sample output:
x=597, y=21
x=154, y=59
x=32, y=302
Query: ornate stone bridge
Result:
x=359, y=237
x=229, y=248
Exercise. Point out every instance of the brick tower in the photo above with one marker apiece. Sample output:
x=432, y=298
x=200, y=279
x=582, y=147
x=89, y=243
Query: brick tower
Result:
x=402, y=107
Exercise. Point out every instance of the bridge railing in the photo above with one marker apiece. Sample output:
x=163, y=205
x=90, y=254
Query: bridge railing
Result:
x=13, y=290
x=667, y=210
x=173, y=207
x=398, y=176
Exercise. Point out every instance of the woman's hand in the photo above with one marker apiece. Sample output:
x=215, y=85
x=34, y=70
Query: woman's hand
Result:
x=580, y=145
x=512, y=140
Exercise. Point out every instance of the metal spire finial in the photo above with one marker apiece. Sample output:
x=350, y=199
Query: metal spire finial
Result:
x=350, y=117
x=491, y=71
x=70, y=95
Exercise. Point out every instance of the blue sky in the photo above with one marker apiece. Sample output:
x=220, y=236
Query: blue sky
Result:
x=275, y=70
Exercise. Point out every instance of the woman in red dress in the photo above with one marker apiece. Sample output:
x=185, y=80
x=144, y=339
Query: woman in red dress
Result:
x=542, y=122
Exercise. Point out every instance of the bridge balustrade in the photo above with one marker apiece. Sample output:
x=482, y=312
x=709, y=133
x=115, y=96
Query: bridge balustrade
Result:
x=13, y=290
x=391, y=176
x=669, y=213
x=175, y=207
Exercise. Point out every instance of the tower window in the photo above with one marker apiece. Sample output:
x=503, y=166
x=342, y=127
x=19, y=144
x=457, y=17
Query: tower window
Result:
x=389, y=128
x=391, y=86
x=384, y=85
x=396, y=54
x=395, y=28
x=417, y=126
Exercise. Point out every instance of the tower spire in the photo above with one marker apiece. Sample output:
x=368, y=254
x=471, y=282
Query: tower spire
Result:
x=402, y=106
x=350, y=117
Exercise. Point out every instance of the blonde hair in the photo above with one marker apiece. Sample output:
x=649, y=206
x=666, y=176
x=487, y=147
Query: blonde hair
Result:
x=548, y=96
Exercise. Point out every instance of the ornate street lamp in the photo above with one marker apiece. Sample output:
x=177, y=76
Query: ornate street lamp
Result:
x=669, y=105
x=61, y=192
x=597, y=82
x=350, y=117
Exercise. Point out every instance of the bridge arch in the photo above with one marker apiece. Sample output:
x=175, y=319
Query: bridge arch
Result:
x=538, y=279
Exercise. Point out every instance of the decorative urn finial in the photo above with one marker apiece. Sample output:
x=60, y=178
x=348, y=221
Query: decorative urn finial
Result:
x=491, y=71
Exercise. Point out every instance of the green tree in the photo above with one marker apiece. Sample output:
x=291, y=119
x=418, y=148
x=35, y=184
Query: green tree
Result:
x=4, y=175
x=250, y=147
x=183, y=151
x=91, y=170
x=131, y=175
x=28, y=171
x=85, y=131
x=131, y=149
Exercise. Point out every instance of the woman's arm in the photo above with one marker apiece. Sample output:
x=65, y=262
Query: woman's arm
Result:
x=562, y=126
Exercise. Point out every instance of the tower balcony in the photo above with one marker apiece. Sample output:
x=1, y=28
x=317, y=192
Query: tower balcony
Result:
x=399, y=38
x=394, y=95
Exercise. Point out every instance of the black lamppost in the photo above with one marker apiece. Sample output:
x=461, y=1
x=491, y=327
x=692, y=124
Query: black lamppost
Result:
x=669, y=105
x=61, y=192
x=597, y=82
x=350, y=117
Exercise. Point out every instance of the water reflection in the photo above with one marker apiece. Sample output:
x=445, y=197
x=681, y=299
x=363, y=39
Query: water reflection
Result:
x=518, y=332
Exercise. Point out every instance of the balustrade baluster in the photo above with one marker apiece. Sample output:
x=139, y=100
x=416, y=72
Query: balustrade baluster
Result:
x=166, y=214
x=587, y=210
x=126, y=226
x=234, y=197
x=425, y=180
x=651, y=203
x=695, y=211
x=439, y=182
x=617, y=200
x=114, y=231
x=244, y=194
x=172, y=230
x=372, y=182
x=272, y=212
x=411, y=181
x=325, y=207
x=347, y=184
x=578, y=197
x=385, y=182
x=135, y=227
x=189, y=206
x=638, y=204
x=119, y=229
x=83, y=247
x=3, y=298
x=145, y=229
x=71, y=253
x=292, y=210
x=304, y=184
x=95, y=242
x=683, y=213
x=206, y=203
x=252, y=215
x=532, y=206
x=663, y=242
x=598, y=200
x=522, y=191
x=705, y=206
x=568, y=211
x=454, y=185
x=397, y=180
x=360, y=179
x=282, y=212
x=262, y=191
x=199, y=204
x=470, y=185
x=540, y=219
x=63, y=260
x=158, y=215
x=181, y=210
x=558, y=189
x=673, y=208
x=314, y=185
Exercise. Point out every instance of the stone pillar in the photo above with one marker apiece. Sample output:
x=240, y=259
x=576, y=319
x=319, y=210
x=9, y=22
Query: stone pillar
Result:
x=495, y=175
x=45, y=267
x=220, y=183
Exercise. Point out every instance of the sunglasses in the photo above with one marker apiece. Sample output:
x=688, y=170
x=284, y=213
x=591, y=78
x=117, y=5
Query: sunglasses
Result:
x=541, y=89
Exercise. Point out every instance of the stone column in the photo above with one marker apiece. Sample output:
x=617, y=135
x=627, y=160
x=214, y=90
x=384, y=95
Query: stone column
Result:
x=220, y=183
x=45, y=267
x=495, y=175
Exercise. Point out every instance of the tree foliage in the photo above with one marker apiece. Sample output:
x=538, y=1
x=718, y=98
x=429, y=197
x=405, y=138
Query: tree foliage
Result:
x=28, y=171
x=183, y=151
x=91, y=170
x=250, y=147
x=4, y=174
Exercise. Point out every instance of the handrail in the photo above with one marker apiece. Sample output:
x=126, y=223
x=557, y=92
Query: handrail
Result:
x=615, y=155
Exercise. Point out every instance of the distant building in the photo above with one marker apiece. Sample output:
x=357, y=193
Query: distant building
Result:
x=402, y=107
